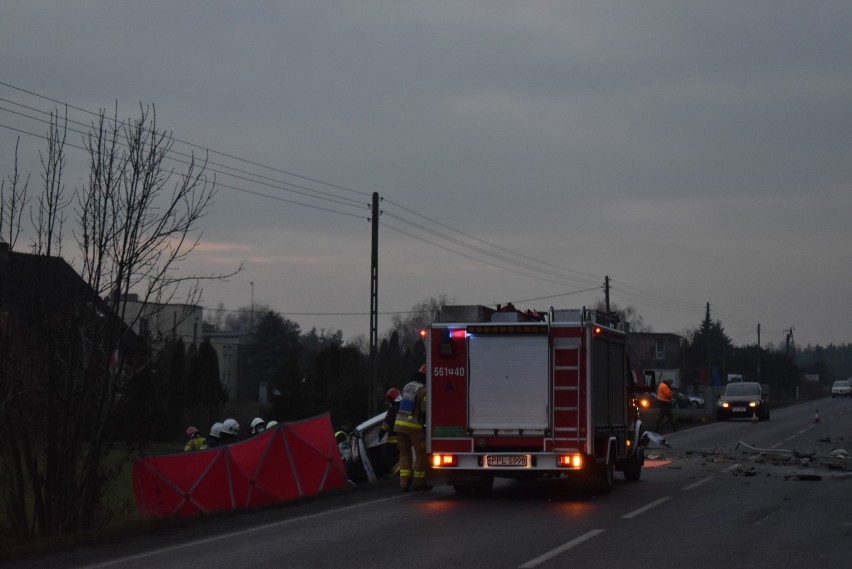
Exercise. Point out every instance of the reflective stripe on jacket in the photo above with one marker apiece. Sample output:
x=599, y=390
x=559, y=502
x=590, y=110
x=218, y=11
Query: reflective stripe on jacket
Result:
x=411, y=408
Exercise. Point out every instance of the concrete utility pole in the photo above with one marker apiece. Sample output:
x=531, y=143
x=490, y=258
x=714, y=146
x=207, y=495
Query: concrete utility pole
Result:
x=758, y=352
x=372, y=381
x=606, y=294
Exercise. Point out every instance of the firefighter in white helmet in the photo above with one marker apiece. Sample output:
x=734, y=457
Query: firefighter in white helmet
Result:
x=411, y=432
x=213, y=439
x=258, y=425
x=230, y=429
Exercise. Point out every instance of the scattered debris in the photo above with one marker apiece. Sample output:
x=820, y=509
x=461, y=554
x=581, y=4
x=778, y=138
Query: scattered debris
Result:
x=839, y=453
x=702, y=451
x=805, y=477
x=744, y=471
x=765, y=450
x=656, y=439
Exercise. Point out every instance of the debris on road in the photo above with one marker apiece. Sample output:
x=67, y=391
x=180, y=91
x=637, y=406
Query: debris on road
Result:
x=702, y=451
x=650, y=437
x=805, y=477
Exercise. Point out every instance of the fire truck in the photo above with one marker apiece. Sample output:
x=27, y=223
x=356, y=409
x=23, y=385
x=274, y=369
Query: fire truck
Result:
x=529, y=394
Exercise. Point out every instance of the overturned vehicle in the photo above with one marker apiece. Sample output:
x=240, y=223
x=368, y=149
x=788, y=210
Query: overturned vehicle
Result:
x=367, y=456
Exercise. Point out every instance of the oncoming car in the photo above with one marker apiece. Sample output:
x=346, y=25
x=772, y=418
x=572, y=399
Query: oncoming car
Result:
x=743, y=399
x=842, y=388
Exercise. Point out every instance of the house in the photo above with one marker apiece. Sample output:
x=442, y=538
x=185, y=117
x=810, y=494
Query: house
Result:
x=657, y=355
x=161, y=322
x=46, y=305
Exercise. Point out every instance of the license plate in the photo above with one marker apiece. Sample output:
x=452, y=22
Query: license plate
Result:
x=507, y=460
x=739, y=409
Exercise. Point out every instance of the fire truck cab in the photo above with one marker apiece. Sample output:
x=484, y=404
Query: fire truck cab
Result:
x=527, y=394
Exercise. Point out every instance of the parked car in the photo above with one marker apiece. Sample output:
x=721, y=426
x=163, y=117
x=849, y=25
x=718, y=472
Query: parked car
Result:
x=695, y=401
x=743, y=399
x=842, y=388
x=681, y=401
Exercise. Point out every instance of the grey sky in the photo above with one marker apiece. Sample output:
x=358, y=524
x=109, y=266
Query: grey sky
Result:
x=693, y=151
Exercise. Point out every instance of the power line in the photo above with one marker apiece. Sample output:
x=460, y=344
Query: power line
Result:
x=187, y=158
x=224, y=154
x=489, y=244
x=481, y=251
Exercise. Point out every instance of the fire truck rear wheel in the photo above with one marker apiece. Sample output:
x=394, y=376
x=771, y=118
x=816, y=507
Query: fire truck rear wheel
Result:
x=633, y=470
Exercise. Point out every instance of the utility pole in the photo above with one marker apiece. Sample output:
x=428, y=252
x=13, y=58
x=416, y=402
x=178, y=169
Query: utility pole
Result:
x=606, y=294
x=758, y=352
x=251, y=310
x=372, y=381
x=707, y=339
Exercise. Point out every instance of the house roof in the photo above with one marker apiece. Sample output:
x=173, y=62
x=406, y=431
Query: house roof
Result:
x=34, y=284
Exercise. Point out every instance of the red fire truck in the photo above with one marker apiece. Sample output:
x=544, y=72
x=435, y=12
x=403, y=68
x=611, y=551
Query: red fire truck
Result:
x=527, y=394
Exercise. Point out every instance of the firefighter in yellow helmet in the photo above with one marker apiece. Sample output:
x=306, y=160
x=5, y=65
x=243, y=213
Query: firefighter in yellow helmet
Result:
x=411, y=433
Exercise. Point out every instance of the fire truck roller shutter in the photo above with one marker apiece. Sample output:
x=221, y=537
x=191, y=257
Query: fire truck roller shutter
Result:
x=509, y=381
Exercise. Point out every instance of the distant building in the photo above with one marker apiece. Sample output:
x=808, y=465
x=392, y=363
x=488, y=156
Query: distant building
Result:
x=162, y=322
x=657, y=356
x=227, y=346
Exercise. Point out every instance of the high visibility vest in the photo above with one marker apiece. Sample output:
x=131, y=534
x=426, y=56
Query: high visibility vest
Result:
x=408, y=418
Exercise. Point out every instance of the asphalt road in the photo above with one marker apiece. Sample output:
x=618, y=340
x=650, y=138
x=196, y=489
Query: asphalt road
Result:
x=743, y=494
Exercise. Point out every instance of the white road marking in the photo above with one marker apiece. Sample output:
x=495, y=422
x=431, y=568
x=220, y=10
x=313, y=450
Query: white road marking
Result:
x=561, y=549
x=697, y=484
x=154, y=552
x=644, y=509
x=730, y=468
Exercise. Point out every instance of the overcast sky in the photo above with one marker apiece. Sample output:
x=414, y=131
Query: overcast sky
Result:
x=693, y=152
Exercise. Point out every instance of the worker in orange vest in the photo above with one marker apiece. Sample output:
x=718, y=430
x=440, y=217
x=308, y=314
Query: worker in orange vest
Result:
x=665, y=399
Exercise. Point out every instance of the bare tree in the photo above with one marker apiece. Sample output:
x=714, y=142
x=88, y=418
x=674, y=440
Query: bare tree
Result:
x=70, y=360
x=421, y=315
x=51, y=203
x=13, y=200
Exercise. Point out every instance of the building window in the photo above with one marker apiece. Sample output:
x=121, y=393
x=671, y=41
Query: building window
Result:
x=661, y=350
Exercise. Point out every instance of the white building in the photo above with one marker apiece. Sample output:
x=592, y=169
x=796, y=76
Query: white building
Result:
x=227, y=347
x=161, y=322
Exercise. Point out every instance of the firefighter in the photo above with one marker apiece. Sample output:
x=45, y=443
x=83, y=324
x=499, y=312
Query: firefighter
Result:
x=665, y=398
x=213, y=439
x=411, y=433
x=195, y=442
x=390, y=450
x=258, y=425
x=230, y=429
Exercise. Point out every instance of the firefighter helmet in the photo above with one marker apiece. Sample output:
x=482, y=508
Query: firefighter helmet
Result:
x=271, y=424
x=392, y=395
x=191, y=431
x=422, y=369
x=255, y=423
x=216, y=430
x=230, y=427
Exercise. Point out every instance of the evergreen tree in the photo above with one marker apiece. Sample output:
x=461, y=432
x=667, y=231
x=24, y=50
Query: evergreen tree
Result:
x=211, y=393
